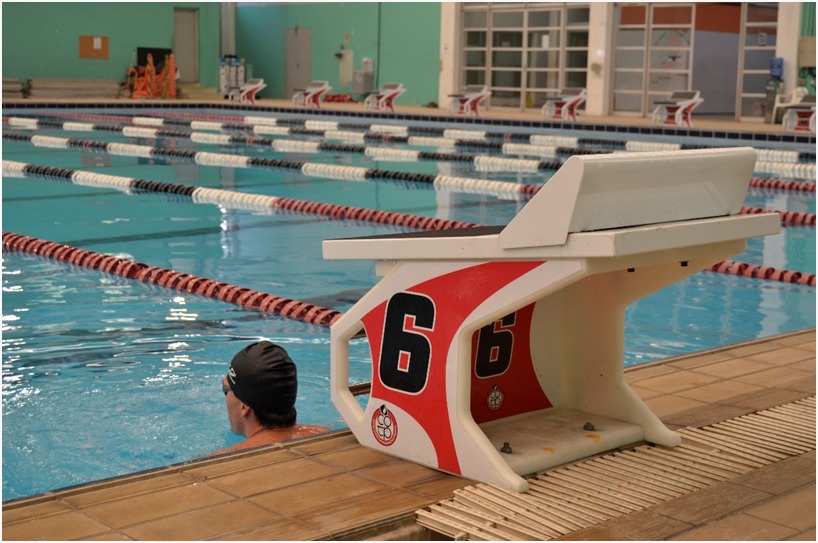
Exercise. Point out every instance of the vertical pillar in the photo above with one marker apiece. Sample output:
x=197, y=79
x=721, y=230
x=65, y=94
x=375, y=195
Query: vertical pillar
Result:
x=600, y=58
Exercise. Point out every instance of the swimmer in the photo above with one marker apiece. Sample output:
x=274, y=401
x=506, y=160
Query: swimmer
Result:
x=260, y=390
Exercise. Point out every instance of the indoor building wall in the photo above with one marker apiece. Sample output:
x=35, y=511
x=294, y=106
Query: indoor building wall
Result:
x=401, y=38
x=41, y=39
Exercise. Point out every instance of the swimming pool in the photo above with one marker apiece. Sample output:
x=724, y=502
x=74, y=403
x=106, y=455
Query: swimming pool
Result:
x=104, y=376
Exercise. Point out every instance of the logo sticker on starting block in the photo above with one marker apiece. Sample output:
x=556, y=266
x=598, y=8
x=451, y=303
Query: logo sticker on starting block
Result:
x=384, y=426
x=495, y=399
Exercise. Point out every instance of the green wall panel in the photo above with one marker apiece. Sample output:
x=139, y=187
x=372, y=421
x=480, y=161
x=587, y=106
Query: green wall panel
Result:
x=401, y=37
x=41, y=39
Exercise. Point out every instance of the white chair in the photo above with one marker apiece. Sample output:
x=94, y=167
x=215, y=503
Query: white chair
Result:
x=565, y=105
x=467, y=102
x=677, y=109
x=788, y=99
x=311, y=96
x=384, y=98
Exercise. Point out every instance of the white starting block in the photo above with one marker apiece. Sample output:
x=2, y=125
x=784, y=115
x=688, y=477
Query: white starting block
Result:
x=498, y=351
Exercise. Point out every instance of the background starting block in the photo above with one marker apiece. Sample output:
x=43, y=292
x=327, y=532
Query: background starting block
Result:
x=498, y=351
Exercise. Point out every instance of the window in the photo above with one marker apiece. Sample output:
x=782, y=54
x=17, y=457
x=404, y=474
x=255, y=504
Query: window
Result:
x=524, y=52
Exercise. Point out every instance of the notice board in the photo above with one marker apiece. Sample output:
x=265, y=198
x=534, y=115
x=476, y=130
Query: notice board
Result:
x=94, y=47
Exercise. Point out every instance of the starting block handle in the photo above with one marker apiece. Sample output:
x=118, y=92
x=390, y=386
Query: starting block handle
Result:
x=631, y=189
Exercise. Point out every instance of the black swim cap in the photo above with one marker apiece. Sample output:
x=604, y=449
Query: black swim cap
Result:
x=263, y=376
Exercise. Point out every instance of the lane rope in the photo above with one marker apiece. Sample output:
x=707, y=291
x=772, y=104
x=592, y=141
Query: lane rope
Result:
x=170, y=279
x=482, y=163
x=260, y=202
x=230, y=199
x=212, y=120
x=770, y=161
x=500, y=189
x=286, y=145
x=756, y=271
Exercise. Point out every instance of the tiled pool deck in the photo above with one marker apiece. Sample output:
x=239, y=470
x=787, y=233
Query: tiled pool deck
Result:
x=332, y=488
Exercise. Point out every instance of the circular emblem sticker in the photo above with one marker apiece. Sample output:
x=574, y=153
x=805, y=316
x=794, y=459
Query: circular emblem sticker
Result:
x=495, y=398
x=384, y=426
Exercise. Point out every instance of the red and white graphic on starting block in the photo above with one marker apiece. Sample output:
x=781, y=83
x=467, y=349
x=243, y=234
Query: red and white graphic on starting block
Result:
x=410, y=343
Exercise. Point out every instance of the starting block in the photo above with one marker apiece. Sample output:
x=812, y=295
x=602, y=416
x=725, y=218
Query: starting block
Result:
x=311, y=96
x=564, y=106
x=800, y=117
x=468, y=102
x=246, y=94
x=678, y=109
x=498, y=352
x=384, y=98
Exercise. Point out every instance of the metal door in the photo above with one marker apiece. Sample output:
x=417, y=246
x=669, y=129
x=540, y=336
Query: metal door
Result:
x=297, y=44
x=186, y=44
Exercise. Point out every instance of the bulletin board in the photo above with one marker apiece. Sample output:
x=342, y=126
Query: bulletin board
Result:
x=94, y=47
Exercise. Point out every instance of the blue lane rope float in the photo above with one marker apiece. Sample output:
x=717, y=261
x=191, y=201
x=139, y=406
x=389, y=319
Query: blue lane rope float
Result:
x=238, y=200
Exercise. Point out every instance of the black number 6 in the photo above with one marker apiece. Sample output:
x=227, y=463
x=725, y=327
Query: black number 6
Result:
x=494, y=346
x=406, y=353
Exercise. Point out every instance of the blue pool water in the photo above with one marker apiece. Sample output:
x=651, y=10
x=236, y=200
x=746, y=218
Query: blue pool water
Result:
x=103, y=376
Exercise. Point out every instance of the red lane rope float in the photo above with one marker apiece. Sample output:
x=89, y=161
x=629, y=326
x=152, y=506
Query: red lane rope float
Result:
x=787, y=217
x=369, y=215
x=780, y=184
x=763, y=272
x=170, y=279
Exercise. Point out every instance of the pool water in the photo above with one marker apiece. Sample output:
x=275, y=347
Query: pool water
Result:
x=103, y=376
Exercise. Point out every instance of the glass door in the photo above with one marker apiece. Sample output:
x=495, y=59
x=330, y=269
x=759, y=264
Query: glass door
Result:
x=474, y=47
x=670, y=50
x=630, y=46
x=543, y=55
x=759, y=31
x=506, y=60
x=653, y=48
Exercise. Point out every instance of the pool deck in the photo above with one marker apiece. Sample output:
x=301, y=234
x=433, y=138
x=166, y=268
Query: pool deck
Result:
x=704, y=122
x=330, y=487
